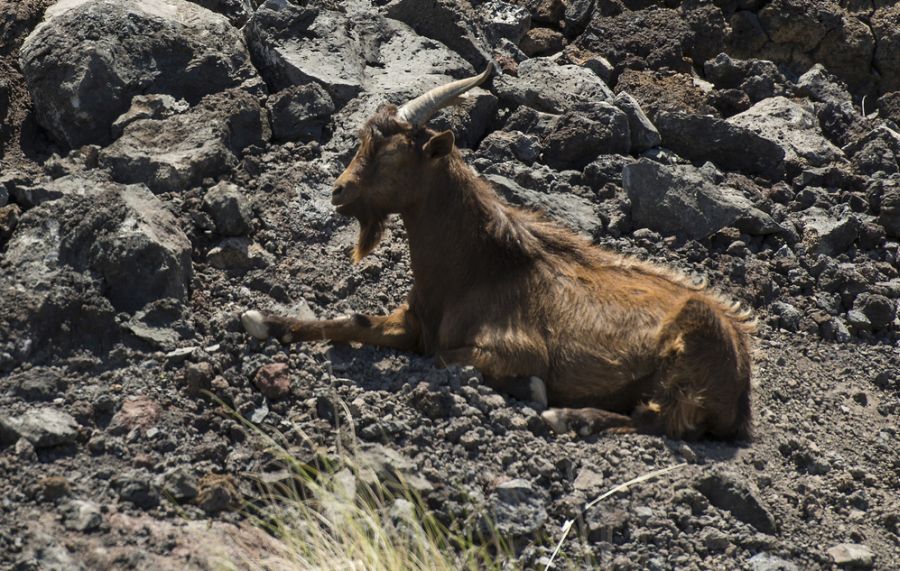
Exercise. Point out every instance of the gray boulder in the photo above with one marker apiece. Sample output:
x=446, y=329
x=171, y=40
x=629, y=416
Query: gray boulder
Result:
x=547, y=86
x=43, y=427
x=792, y=126
x=877, y=150
x=681, y=199
x=577, y=140
x=569, y=210
x=39, y=192
x=121, y=234
x=819, y=84
x=294, y=45
x=505, y=20
x=300, y=112
x=469, y=119
x=133, y=243
x=506, y=145
x=177, y=153
x=643, y=134
x=886, y=28
x=852, y=555
x=346, y=53
x=730, y=147
x=88, y=58
x=450, y=22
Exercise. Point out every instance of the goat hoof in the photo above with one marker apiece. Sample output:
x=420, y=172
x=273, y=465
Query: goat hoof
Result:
x=538, y=391
x=255, y=324
x=555, y=420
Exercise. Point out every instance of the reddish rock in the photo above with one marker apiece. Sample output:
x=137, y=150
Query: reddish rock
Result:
x=139, y=412
x=541, y=42
x=273, y=380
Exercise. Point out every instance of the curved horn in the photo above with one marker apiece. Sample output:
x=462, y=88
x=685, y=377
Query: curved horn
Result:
x=419, y=110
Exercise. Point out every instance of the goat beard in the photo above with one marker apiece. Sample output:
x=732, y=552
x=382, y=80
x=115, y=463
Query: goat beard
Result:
x=371, y=229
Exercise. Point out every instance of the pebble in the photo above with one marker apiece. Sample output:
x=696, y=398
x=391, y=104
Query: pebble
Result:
x=588, y=480
x=83, y=516
x=137, y=412
x=852, y=555
x=273, y=380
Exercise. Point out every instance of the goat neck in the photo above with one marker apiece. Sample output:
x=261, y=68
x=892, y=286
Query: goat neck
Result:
x=450, y=248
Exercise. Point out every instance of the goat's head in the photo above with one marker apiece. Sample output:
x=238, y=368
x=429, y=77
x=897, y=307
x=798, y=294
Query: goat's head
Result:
x=396, y=154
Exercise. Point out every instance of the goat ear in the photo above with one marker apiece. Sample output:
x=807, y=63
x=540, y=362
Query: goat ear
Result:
x=439, y=145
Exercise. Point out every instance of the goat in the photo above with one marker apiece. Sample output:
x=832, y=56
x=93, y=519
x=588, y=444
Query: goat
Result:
x=610, y=343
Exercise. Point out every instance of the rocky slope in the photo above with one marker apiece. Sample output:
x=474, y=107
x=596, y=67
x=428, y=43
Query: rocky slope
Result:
x=167, y=164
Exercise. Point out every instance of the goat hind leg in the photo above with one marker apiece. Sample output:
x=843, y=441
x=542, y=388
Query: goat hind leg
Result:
x=398, y=330
x=587, y=421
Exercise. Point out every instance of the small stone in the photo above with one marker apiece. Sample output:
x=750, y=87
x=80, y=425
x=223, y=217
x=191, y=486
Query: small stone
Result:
x=52, y=488
x=152, y=106
x=137, y=489
x=852, y=555
x=858, y=320
x=588, y=480
x=229, y=209
x=238, y=254
x=541, y=42
x=25, y=451
x=714, y=539
x=138, y=412
x=198, y=377
x=835, y=329
x=179, y=484
x=789, y=317
x=83, y=516
x=470, y=440
x=687, y=453
x=879, y=310
x=826, y=234
x=768, y=562
x=728, y=492
x=39, y=384
x=513, y=491
x=505, y=20
x=217, y=493
x=9, y=219
x=273, y=380
x=517, y=509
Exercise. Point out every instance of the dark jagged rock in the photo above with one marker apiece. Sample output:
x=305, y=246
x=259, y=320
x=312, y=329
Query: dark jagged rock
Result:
x=729, y=146
x=87, y=60
x=177, y=153
x=682, y=200
x=727, y=492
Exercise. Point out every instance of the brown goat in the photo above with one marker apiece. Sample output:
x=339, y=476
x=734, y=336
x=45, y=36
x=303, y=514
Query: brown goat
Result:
x=612, y=343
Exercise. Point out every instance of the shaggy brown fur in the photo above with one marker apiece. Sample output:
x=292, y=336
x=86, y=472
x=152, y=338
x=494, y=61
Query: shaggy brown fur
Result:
x=620, y=344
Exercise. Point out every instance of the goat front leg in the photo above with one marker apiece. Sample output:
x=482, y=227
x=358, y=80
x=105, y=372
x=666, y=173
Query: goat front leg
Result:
x=521, y=387
x=399, y=330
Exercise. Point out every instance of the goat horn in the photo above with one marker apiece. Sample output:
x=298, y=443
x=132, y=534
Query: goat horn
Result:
x=419, y=110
